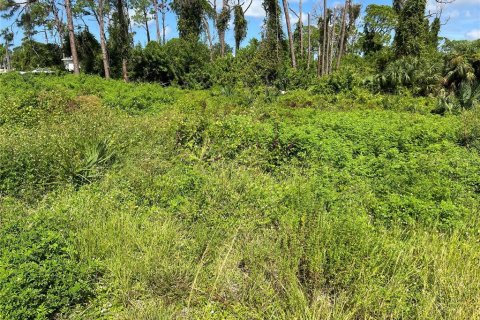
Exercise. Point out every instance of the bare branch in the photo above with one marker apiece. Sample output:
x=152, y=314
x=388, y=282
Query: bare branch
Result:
x=294, y=12
x=245, y=11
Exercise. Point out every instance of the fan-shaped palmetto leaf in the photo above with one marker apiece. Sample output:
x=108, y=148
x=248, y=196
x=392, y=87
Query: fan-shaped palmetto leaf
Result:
x=470, y=76
x=465, y=92
x=94, y=158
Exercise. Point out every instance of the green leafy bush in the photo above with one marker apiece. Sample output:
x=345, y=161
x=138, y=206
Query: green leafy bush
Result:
x=40, y=273
x=177, y=62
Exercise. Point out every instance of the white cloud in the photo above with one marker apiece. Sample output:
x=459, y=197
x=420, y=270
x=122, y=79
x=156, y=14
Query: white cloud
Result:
x=294, y=19
x=168, y=31
x=473, y=34
x=255, y=10
x=466, y=2
x=22, y=3
x=433, y=5
x=453, y=14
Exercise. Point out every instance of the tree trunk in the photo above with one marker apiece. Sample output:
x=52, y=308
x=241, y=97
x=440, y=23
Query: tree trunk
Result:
x=221, y=37
x=7, y=55
x=324, y=42
x=309, y=53
x=221, y=33
x=331, y=41
x=300, y=27
x=209, y=37
x=103, y=42
x=124, y=70
x=330, y=30
x=342, y=33
x=124, y=45
x=290, y=36
x=319, y=57
x=127, y=17
x=58, y=23
x=71, y=35
x=145, y=18
x=155, y=12
x=164, y=30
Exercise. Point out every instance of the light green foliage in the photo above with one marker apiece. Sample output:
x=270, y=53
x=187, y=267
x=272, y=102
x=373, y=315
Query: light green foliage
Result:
x=40, y=271
x=331, y=202
x=379, y=23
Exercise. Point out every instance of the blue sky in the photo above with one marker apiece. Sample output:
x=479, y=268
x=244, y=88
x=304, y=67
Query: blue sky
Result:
x=461, y=19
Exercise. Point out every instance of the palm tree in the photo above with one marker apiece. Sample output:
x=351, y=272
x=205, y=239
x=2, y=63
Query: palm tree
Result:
x=460, y=79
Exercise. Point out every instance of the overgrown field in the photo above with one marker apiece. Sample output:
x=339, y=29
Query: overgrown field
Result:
x=133, y=201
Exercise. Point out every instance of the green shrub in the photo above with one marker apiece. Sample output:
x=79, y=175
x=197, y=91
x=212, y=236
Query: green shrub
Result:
x=177, y=62
x=469, y=131
x=40, y=273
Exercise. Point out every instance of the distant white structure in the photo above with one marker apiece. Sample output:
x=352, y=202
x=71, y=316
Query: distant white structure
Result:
x=68, y=62
x=43, y=70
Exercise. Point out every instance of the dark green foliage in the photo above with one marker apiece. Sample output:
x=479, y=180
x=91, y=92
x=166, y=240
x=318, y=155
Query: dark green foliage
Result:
x=421, y=76
x=412, y=32
x=223, y=19
x=215, y=51
x=461, y=80
x=398, y=5
x=189, y=21
x=88, y=50
x=40, y=273
x=434, y=31
x=152, y=64
x=120, y=40
x=120, y=33
x=179, y=62
x=31, y=55
x=272, y=46
x=239, y=25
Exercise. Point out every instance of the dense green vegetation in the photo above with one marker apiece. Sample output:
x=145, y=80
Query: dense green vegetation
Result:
x=327, y=171
x=134, y=201
x=384, y=48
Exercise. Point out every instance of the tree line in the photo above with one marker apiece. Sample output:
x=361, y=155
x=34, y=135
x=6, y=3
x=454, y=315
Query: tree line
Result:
x=393, y=47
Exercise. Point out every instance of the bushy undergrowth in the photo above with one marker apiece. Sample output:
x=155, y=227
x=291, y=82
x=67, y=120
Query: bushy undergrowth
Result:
x=40, y=271
x=233, y=204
